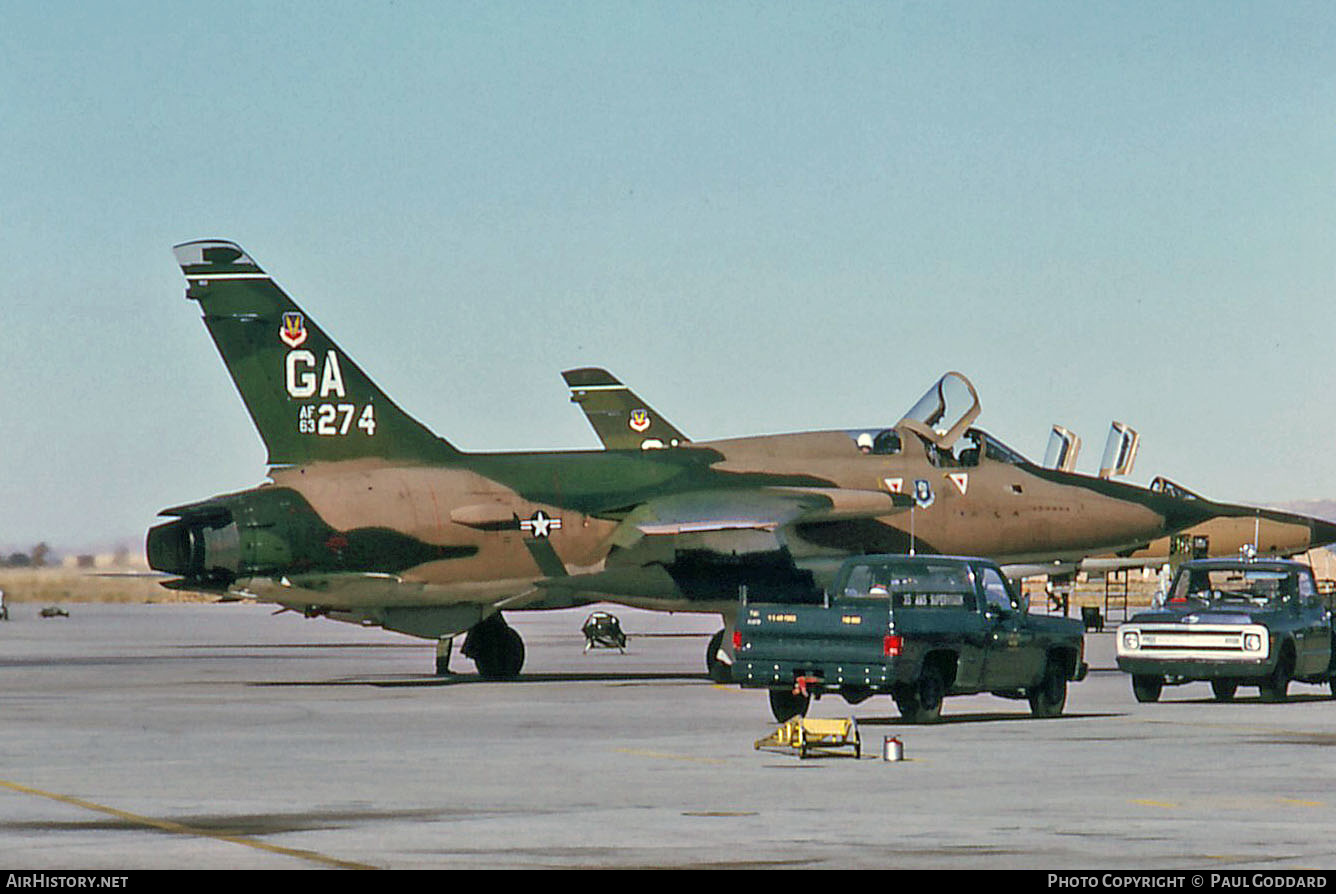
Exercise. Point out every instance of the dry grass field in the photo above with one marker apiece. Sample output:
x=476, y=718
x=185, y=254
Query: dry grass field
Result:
x=52, y=586
x=57, y=585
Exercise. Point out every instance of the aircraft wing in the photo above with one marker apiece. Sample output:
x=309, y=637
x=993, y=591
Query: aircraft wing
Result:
x=1034, y=569
x=704, y=545
x=1105, y=564
x=1090, y=565
x=758, y=509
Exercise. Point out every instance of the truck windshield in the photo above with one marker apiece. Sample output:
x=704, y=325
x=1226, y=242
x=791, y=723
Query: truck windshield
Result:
x=912, y=585
x=1261, y=587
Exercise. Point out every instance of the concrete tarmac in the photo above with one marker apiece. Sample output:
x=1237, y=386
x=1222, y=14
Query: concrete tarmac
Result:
x=220, y=736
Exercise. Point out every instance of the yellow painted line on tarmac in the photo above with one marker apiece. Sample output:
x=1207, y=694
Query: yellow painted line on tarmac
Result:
x=1218, y=803
x=181, y=829
x=637, y=752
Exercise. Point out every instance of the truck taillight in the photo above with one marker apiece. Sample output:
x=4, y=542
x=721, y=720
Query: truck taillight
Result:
x=891, y=645
x=737, y=640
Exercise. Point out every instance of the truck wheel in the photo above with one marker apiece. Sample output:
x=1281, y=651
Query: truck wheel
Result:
x=906, y=702
x=1276, y=688
x=1224, y=690
x=784, y=705
x=719, y=671
x=1049, y=697
x=1147, y=688
x=928, y=697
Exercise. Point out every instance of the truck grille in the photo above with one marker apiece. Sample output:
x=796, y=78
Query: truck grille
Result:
x=1188, y=641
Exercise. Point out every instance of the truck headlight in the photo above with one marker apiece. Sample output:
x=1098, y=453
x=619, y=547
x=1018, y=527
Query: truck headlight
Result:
x=1131, y=640
x=1252, y=642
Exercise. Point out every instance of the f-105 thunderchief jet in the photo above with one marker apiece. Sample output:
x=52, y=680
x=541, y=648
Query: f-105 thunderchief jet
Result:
x=370, y=517
x=623, y=420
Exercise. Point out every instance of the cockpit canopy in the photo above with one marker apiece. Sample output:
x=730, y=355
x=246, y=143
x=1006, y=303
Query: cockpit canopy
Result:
x=1120, y=451
x=940, y=418
x=944, y=413
x=1162, y=485
x=1063, y=448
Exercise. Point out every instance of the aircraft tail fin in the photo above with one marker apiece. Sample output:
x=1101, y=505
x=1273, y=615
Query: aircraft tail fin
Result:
x=308, y=399
x=621, y=420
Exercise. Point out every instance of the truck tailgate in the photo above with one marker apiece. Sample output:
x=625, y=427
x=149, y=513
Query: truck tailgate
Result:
x=838, y=643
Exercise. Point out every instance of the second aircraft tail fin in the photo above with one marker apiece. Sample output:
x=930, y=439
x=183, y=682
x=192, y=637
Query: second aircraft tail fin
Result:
x=621, y=420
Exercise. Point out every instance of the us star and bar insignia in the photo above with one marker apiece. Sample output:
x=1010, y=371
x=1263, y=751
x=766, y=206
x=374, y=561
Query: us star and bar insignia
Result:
x=540, y=524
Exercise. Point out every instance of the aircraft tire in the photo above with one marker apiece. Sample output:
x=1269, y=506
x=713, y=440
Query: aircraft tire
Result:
x=1147, y=687
x=784, y=705
x=719, y=671
x=496, y=649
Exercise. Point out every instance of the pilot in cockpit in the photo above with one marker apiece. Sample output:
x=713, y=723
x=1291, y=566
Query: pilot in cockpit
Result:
x=886, y=443
x=969, y=454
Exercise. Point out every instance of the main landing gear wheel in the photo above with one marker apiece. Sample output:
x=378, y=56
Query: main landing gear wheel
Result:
x=719, y=671
x=444, y=646
x=784, y=705
x=496, y=649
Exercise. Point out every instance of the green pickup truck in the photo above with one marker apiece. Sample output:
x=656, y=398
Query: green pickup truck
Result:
x=918, y=628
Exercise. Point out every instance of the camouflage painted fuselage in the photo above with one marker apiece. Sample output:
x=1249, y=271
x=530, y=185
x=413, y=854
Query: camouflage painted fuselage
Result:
x=373, y=540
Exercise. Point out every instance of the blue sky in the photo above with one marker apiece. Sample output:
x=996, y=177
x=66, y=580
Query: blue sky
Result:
x=764, y=217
